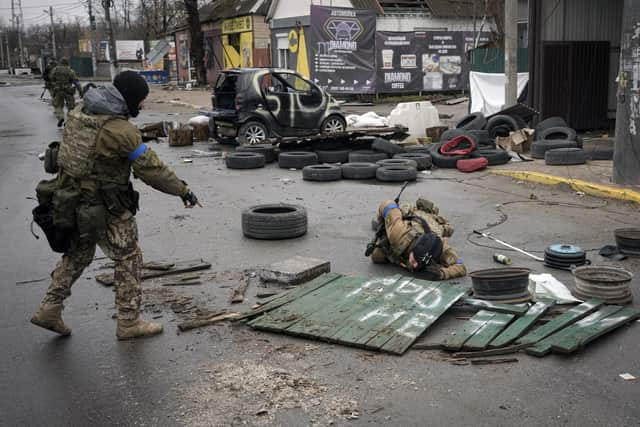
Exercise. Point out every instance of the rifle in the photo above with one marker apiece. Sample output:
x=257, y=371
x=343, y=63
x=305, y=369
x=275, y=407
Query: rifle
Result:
x=381, y=227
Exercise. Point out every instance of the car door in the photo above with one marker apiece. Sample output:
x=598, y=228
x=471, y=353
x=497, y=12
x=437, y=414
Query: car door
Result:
x=305, y=104
x=277, y=101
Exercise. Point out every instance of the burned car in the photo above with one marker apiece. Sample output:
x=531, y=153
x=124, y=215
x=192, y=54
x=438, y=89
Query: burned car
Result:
x=252, y=105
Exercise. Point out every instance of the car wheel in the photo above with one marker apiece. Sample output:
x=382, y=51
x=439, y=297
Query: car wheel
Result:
x=274, y=221
x=333, y=124
x=252, y=133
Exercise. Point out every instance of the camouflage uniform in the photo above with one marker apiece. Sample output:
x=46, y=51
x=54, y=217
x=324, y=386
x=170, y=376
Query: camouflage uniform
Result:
x=91, y=169
x=402, y=232
x=64, y=82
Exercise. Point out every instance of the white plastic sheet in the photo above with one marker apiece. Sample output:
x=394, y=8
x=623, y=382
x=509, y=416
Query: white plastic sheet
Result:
x=546, y=286
x=487, y=91
x=370, y=119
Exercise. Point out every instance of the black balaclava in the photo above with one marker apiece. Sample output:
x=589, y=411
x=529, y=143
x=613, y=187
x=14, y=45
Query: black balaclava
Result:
x=133, y=88
x=427, y=248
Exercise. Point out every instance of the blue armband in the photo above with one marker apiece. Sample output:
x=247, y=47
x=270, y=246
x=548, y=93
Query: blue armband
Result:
x=137, y=152
x=388, y=208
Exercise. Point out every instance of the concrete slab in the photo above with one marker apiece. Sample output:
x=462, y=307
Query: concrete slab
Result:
x=294, y=271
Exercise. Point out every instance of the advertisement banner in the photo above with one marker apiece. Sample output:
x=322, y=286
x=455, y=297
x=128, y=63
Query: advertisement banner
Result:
x=84, y=46
x=342, y=44
x=398, y=62
x=442, y=58
x=130, y=50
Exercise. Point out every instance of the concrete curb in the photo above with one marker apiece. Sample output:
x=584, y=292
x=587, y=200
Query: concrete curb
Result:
x=589, y=188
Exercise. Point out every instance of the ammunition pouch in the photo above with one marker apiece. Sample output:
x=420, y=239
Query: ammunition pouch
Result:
x=59, y=240
x=45, y=191
x=64, y=204
x=120, y=198
x=92, y=222
x=51, y=158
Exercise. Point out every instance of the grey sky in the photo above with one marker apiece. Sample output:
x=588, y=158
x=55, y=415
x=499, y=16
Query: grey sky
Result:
x=33, y=10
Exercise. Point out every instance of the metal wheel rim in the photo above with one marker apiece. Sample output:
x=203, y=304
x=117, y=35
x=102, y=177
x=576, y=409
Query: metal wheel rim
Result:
x=255, y=134
x=333, y=126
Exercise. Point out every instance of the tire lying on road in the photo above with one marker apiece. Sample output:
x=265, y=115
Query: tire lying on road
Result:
x=423, y=160
x=442, y=161
x=396, y=173
x=495, y=156
x=274, y=221
x=242, y=160
x=538, y=148
x=561, y=133
x=333, y=156
x=565, y=156
x=482, y=137
x=472, y=121
x=359, y=170
x=550, y=122
x=366, y=156
x=296, y=159
x=321, y=173
x=268, y=150
x=383, y=146
x=397, y=162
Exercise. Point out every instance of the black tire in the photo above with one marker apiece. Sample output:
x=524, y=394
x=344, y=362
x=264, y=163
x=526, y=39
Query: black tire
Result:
x=396, y=173
x=333, y=124
x=558, y=133
x=359, y=170
x=538, y=148
x=482, y=137
x=550, y=122
x=449, y=134
x=599, y=149
x=244, y=160
x=495, y=156
x=321, y=173
x=296, y=159
x=501, y=125
x=472, y=121
x=252, y=133
x=267, y=150
x=441, y=161
x=366, y=156
x=274, y=221
x=333, y=156
x=565, y=156
x=383, y=146
x=397, y=162
x=417, y=149
x=423, y=160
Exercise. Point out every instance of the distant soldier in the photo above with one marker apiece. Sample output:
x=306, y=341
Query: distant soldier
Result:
x=416, y=239
x=46, y=76
x=64, y=82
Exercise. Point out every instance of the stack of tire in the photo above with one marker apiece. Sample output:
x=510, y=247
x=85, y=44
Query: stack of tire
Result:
x=481, y=133
x=557, y=143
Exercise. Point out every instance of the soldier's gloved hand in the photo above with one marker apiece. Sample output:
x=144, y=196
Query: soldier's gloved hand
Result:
x=190, y=200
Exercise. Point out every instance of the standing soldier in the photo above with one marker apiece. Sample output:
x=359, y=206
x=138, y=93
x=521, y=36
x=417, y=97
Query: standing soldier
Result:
x=46, y=76
x=416, y=239
x=93, y=202
x=64, y=82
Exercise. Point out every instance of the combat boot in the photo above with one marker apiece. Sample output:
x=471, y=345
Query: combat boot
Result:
x=60, y=123
x=49, y=316
x=129, y=329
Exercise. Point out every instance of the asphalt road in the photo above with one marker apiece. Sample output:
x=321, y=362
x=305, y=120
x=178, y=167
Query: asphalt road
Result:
x=212, y=376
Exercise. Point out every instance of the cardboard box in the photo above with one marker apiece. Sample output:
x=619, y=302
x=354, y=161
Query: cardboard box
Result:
x=518, y=141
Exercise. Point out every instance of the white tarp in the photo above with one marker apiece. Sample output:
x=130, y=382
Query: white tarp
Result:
x=487, y=91
x=546, y=286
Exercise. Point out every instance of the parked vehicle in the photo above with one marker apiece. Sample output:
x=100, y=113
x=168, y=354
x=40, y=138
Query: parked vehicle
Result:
x=255, y=104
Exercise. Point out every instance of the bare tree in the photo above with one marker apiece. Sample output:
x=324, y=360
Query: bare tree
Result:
x=196, y=50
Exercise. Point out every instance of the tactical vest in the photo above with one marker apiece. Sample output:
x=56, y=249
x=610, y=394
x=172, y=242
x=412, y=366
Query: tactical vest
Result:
x=62, y=78
x=77, y=153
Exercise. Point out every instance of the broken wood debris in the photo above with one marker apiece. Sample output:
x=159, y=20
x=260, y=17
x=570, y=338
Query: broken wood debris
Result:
x=238, y=293
x=207, y=321
x=493, y=361
x=159, y=270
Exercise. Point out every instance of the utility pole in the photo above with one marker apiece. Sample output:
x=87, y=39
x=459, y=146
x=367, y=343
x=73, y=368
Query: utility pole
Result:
x=92, y=40
x=1, y=52
x=53, y=32
x=626, y=158
x=20, y=24
x=511, y=52
x=8, y=50
x=113, y=63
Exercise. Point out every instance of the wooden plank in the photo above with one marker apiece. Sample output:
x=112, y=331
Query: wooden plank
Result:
x=494, y=352
x=488, y=331
x=586, y=334
x=570, y=316
x=332, y=318
x=521, y=325
x=299, y=291
x=456, y=340
x=297, y=310
x=425, y=315
x=544, y=347
x=517, y=309
x=177, y=268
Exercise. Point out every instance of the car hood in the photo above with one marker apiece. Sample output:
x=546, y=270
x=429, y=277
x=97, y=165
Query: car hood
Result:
x=105, y=100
